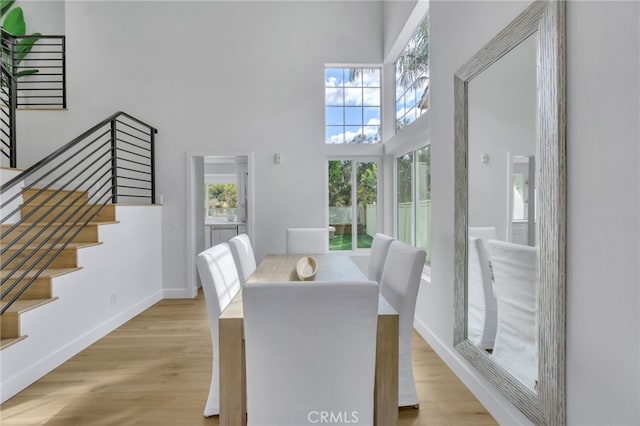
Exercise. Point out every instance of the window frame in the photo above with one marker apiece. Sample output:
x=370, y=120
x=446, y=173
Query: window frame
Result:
x=408, y=88
x=363, y=125
x=414, y=193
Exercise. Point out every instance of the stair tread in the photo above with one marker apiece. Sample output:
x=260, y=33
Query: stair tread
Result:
x=47, y=273
x=21, y=306
x=47, y=246
x=5, y=343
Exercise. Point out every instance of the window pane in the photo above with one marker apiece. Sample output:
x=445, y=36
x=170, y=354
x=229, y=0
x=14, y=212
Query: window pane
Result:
x=353, y=116
x=333, y=77
x=334, y=97
x=353, y=76
x=353, y=134
x=372, y=134
x=335, y=134
x=340, y=210
x=423, y=207
x=405, y=198
x=334, y=116
x=371, y=97
x=353, y=96
x=371, y=77
x=222, y=199
x=367, y=191
x=372, y=116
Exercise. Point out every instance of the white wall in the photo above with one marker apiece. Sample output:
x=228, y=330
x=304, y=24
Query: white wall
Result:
x=212, y=76
x=603, y=371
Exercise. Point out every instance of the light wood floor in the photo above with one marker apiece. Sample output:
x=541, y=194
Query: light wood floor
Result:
x=156, y=370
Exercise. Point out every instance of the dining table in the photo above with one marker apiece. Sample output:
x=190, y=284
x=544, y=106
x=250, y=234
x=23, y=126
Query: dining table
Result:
x=280, y=268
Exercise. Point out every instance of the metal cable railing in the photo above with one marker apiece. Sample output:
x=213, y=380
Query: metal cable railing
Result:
x=40, y=74
x=45, y=207
x=8, y=100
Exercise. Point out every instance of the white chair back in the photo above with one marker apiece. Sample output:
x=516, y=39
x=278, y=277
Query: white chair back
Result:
x=377, y=256
x=515, y=274
x=243, y=256
x=310, y=348
x=482, y=307
x=399, y=286
x=307, y=240
x=220, y=284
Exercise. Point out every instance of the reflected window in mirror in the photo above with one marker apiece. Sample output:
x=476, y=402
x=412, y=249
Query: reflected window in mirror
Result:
x=412, y=77
x=413, y=197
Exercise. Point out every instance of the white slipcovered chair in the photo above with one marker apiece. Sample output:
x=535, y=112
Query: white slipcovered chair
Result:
x=220, y=284
x=307, y=240
x=399, y=286
x=243, y=256
x=377, y=256
x=482, y=307
x=515, y=275
x=310, y=348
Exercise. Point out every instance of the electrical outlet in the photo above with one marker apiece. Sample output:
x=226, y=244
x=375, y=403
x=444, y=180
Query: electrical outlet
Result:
x=114, y=298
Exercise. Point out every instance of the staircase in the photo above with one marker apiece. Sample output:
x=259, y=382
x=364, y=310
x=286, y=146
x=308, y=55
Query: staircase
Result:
x=36, y=231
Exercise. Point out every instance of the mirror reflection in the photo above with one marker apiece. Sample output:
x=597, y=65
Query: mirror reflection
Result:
x=502, y=249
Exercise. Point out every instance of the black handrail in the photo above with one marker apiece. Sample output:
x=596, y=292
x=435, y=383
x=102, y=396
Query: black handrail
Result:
x=46, y=87
x=62, y=193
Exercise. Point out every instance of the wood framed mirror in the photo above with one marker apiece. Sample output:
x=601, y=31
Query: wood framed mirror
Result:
x=510, y=212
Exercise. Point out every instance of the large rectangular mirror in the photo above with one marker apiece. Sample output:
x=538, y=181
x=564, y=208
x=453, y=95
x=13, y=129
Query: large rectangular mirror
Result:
x=510, y=211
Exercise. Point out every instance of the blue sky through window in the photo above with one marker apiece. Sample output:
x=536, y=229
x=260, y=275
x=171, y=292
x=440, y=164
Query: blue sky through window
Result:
x=352, y=105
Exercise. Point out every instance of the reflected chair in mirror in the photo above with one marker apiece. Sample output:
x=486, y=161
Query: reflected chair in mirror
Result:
x=399, y=286
x=515, y=347
x=310, y=349
x=307, y=240
x=220, y=284
x=243, y=256
x=485, y=233
x=377, y=256
x=482, y=310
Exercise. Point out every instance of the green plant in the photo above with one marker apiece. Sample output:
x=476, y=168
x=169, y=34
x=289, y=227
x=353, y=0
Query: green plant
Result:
x=13, y=23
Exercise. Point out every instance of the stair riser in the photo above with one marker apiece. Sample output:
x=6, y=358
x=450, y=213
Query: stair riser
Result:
x=10, y=326
x=107, y=214
x=66, y=259
x=39, y=289
x=88, y=234
x=82, y=197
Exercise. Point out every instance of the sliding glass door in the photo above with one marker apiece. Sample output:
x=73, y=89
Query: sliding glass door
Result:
x=352, y=225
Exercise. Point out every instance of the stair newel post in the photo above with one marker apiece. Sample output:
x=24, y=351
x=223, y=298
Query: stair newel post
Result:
x=152, y=159
x=13, y=101
x=114, y=163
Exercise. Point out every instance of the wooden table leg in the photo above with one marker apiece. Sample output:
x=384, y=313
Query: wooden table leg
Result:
x=386, y=384
x=233, y=393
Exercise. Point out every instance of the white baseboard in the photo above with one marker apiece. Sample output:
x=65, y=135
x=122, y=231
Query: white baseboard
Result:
x=34, y=372
x=499, y=407
x=179, y=293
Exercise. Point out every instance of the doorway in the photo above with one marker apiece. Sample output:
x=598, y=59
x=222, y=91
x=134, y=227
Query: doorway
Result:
x=220, y=203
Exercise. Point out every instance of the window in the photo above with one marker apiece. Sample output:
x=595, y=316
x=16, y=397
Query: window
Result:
x=352, y=105
x=412, y=77
x=222, y=199
x=352, y=225
x=413, y=197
